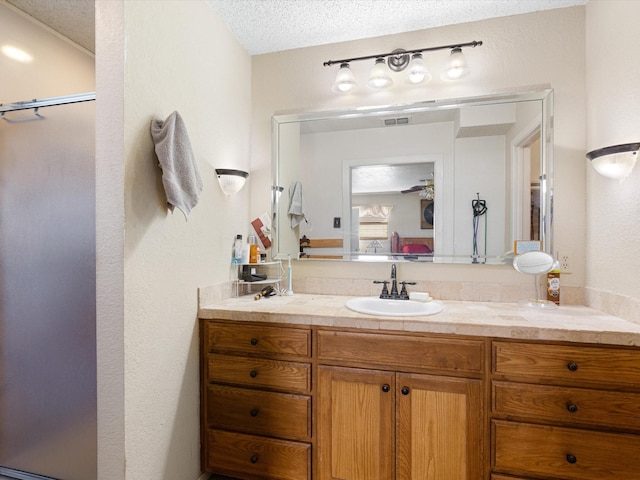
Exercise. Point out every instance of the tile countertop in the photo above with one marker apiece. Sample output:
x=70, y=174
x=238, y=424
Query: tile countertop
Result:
x=488, y=319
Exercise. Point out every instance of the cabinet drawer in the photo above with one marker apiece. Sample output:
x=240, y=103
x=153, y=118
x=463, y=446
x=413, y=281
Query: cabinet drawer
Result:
x=260, y=372
x=249, y=456
x=567, y=364
x=567, y=453
x=259, y=339
x=567, y=405
x=273, y=414
x=402, y=351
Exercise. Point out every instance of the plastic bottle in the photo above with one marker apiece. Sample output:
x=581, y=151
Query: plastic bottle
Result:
x=245, y=253
x=553, y=286
x=237, y=250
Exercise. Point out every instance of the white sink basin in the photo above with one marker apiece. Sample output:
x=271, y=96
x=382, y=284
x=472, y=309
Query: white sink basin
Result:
x=393, y=308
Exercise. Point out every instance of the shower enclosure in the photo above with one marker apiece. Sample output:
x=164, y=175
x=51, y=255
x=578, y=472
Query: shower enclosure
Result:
x=47, y=293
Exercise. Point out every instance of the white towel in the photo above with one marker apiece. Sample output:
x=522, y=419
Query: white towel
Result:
x=296, y=204
x=180, y=176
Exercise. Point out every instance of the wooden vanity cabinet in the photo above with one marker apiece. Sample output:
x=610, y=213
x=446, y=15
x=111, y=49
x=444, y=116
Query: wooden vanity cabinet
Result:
x=390, y=407
x=256, y=400
x=565, y=411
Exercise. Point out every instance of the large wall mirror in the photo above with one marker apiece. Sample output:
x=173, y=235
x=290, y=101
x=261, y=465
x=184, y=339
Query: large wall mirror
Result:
x=454, y=181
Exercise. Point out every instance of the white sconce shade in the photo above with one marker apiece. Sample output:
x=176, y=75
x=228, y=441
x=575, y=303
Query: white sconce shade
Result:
x=418, y=72
x=345, y=81
x=380, y=76
x=615, y=162
x=457, y=67
x=231, y=181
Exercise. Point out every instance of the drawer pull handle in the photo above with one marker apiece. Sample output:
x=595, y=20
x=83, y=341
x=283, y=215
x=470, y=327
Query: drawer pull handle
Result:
x=405, y=390
x=571, y=458
x=254, y=459
x=254, y=413
x=253, y=374
x=572, y=407
x=386, y=388
x=254, y=341
x=572, y=366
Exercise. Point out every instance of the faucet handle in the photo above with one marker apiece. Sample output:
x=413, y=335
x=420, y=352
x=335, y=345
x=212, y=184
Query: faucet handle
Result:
x=403, y=292
x=385, y=290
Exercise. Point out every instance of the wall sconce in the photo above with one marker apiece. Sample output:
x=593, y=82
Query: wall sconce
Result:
x=397, y=61
x=231, y=181
x=615, y=162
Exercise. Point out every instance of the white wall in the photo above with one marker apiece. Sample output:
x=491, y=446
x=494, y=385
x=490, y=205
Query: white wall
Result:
x=613, y=117
x=154, y=58
x=542, y=48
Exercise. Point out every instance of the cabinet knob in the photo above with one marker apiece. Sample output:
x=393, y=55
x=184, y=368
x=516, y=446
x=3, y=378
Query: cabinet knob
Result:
x=254, y=412
x=254, y=341
x=254, y=459
x=571, y=458
x=572, y=407
x=253, y=374
x=386, y=388
x=572, y=366
x=405, y=390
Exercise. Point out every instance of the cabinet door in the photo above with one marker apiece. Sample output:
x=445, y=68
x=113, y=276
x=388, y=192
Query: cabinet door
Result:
x=439, y=428
x=355, y=424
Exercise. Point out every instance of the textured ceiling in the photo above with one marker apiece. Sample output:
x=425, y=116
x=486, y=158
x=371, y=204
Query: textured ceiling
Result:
x=74, y=19
x=264, y=26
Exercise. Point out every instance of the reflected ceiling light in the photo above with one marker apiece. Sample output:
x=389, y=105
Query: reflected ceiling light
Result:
x=380, y=75
x=345, y=81
x=615, y=162
x=418, y=72
x=398, y=61
x=17, y=54
x=457, y=67
x=231, y=181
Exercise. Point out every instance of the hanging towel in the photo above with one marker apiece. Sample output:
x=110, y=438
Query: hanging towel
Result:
x=180, y=176
x=297, y=211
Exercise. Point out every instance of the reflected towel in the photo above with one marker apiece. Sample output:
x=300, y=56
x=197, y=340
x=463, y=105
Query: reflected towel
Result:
x=296, y=204
x=180, y=176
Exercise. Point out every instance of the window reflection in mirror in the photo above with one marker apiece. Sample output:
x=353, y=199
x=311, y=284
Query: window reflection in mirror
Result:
x=452, y=157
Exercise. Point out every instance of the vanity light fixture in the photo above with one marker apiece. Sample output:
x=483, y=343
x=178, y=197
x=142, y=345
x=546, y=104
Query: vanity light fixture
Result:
x=399, y=60
x=615, y=162
x=231, y=181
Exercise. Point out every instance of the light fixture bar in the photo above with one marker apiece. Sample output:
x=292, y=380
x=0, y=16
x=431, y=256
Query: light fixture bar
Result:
x=406, y=52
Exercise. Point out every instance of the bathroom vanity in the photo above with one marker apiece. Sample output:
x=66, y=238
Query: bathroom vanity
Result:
x=300, y=388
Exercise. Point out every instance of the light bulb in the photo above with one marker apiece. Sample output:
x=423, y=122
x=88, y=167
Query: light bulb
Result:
x=418, y=72
x=380, y=77
x=345, y=81
x=457, y=67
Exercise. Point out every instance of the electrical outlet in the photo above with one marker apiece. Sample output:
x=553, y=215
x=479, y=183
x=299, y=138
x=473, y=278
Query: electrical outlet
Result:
x=565, y=258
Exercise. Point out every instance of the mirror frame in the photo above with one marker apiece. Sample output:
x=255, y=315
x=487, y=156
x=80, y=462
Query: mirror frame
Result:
x=545, y=96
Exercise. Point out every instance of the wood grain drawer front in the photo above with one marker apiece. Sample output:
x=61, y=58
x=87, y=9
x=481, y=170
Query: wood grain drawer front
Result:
x=525, y=449
x=567, y=405
x=402, y=351
x=291, y=377
x=504, y=477
x=260, y=339
x=248, y=456
x=567, y=364
x=258, y=412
